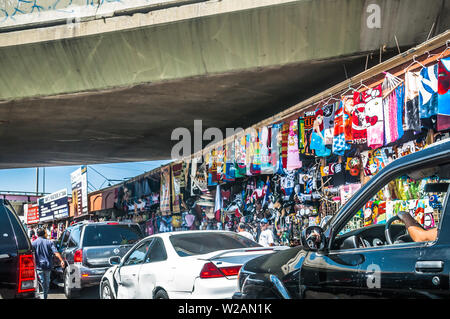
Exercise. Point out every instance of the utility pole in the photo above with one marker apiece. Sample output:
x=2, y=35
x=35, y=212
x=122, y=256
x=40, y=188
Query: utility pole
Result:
x=43, y=182
x=37, y=181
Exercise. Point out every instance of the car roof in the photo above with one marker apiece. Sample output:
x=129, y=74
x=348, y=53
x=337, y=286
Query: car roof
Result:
x=90, y=223
x=168, y=234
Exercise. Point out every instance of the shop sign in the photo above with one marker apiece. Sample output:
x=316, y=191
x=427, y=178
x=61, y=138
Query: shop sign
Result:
x=78, y=181
x=53, y=206
x=31, y=212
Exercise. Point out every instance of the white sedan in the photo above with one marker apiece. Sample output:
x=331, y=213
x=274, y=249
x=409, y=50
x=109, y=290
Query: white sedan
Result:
x=188, y=264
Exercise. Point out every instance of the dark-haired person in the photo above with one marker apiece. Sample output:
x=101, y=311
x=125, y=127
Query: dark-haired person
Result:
x=44, y=250
x=243, y=231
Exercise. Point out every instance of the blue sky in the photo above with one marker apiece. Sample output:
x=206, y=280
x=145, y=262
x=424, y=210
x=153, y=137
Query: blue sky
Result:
x=57, y=178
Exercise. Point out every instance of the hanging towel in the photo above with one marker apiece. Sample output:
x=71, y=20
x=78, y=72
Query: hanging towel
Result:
x=284, y=144
x=308, y=119
x=347, y=102
x=359, y=123
x=266, y=166
x=428, y=96
x=229, y=162
x=374, y=117
x=255, y=167
x=293, y=161
x=411, y=119
x=241, y=157
x=443, y=116
x=275, y=149
x=339, y=143
x=328, y=123
x=317, y=136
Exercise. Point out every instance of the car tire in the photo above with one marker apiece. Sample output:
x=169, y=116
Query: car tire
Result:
x=161, y=294
x=69, y=292
x=105, y=290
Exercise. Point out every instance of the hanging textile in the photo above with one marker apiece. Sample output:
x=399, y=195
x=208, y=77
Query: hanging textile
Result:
x=284, y=144
x=428, y=96
x=328, y=123
x=411, y=119
x=293, y=160
x=301, y=135
x=275, y=147
x=265, y=145
x=211, y=161
x=443, y=116
x=249, y=154
x=373, y=110
x=220, y=160
x=347, y=102
x=241, y=156
x=198, y=176
x=317, y=137
x=359, y=123
x=229, y=160
x=308, y=118
x=339, y=143
x=400, y=93
x=255, y=167
x=176, y=171
x=165, y=190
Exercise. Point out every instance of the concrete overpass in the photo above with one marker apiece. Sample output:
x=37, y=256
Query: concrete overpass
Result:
x=107, y=81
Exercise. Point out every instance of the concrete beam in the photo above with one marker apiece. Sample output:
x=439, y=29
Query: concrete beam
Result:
x=199, y=40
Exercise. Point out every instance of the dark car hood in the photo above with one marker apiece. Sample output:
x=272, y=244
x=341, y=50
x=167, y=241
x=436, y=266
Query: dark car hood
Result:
x=279, y=263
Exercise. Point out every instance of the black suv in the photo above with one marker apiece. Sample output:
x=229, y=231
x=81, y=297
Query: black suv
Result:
x=86, y=248
x=17, y=264
x=359, y=255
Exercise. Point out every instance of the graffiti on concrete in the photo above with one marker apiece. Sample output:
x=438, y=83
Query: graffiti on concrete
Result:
x=10, y=10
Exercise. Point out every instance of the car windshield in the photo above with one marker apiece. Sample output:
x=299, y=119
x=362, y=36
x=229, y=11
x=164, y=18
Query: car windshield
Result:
x=105, y=235
x=204, y=243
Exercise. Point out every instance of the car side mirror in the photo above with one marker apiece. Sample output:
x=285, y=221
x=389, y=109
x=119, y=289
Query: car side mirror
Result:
x=313, y=238
x=114, y=260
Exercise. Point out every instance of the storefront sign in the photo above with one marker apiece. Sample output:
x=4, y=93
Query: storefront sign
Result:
x=53, y=206
x=78, y=180
x=31, y=212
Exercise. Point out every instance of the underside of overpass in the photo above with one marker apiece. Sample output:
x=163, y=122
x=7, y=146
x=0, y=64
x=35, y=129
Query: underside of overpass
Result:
x=113, y=90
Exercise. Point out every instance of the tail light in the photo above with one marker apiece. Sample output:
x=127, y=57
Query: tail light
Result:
x=210, y=270
x=231, y=271
x=78, y=256
x=26, y=274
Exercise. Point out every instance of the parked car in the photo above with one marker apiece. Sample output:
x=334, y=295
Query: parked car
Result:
x=17, y=263
x=86, y=248
x=178, y=265
x=355, y=257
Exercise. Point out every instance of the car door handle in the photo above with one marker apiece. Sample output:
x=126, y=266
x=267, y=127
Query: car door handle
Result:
x=429, y=266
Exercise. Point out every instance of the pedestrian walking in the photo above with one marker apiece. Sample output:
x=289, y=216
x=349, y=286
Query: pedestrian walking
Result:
x=44, y=250
x=266, y=236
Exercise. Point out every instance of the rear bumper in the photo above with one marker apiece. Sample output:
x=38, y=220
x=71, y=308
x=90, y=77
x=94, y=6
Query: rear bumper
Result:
x=91, y=276
x=214, y=288
x=88, y=277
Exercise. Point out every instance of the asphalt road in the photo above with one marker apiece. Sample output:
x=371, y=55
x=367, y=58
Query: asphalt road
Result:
x=86, y=293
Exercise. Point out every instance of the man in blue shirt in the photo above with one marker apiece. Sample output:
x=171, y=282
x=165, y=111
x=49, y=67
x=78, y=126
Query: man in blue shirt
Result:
x=44, y=250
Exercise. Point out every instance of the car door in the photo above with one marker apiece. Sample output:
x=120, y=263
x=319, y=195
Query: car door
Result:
x=128, y=272
x=359, y=261
x=412, y=270
x=155, y=270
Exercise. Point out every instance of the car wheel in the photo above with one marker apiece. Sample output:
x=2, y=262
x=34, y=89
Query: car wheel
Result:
x=106, y=291
x=69, y=292
x=161, y=294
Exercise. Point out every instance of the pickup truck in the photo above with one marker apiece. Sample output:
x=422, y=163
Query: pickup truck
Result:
x=370, y=254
